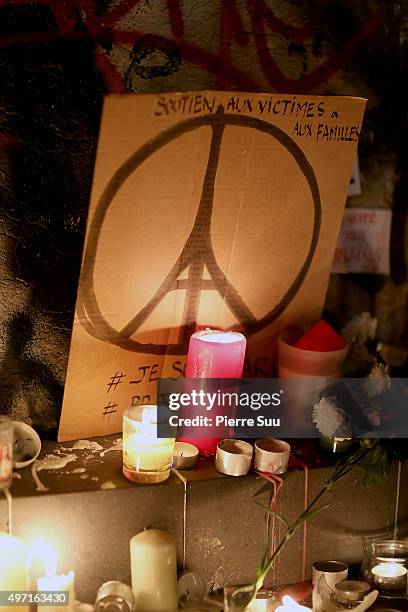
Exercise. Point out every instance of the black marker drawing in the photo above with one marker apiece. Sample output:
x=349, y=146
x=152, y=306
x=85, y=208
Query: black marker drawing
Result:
x=115, y=380
x=198, y=252
x=109, y=409
x=139, y=400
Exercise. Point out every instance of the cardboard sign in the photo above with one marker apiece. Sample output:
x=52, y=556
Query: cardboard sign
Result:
x=208, y=209
x=363, y=245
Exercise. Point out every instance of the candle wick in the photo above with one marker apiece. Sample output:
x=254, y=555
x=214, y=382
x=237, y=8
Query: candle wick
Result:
x=181, y=454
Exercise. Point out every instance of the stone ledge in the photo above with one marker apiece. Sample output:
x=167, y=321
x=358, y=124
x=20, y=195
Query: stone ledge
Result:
x=91, y=472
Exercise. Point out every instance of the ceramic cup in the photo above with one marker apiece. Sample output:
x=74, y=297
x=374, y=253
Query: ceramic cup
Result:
x=27, y=444
x=333, y=571
x=271, y=455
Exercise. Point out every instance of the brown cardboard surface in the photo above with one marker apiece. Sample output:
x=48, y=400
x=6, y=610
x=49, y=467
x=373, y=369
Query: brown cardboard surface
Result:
x=208, y=209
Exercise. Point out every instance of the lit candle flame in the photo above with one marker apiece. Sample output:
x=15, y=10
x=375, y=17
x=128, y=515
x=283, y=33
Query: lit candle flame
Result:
x=44, y=553
x=290, y=605
x=389, y=570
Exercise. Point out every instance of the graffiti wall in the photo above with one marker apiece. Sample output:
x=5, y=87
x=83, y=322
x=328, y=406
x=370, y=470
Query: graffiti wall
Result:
x=58, y=58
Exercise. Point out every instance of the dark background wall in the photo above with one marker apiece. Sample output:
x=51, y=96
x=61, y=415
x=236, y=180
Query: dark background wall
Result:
x=58, y=58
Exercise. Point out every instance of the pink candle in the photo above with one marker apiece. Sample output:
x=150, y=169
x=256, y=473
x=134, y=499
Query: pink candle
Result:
x=214, y=354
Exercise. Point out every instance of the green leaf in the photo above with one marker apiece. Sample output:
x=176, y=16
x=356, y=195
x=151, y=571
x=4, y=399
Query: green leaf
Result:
x=266, y=488
x=313, y=511
x=273, y=513
x=376, y=466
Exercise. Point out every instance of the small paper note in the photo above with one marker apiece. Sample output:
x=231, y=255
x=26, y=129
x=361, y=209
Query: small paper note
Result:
x=363, y=245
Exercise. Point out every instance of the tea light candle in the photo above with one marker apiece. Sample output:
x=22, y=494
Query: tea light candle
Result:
x=154, y=571
x=234, y=457
x=146, y=458
x=13, y=574
x=63, y=582
x=390, y=576
x=353, y=590
x=185, y=455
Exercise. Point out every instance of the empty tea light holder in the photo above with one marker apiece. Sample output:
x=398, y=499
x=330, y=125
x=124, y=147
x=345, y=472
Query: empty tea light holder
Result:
x=271, y=455
x=114, y=596
x=233, y=457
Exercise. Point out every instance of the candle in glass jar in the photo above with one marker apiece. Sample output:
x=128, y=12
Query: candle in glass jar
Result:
x=390, y=576
x=13, y=572
x=154, y=571
x=146, y=458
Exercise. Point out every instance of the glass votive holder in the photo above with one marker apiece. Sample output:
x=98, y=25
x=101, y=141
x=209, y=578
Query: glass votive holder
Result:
x=146, y=458
x=265, y=601
x=385, y=566
x=239, y=599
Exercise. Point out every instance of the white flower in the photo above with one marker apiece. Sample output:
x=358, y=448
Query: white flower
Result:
x=360, y=329
x=374, y=418
x=377, y=381
x=330, y=419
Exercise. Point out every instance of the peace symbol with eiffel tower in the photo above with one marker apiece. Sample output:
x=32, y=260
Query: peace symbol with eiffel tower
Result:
x=197, y=253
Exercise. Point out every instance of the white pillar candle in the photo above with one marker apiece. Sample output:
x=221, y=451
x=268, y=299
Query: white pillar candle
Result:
x=154, y=571
x=64, y=582
x=13, y=572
